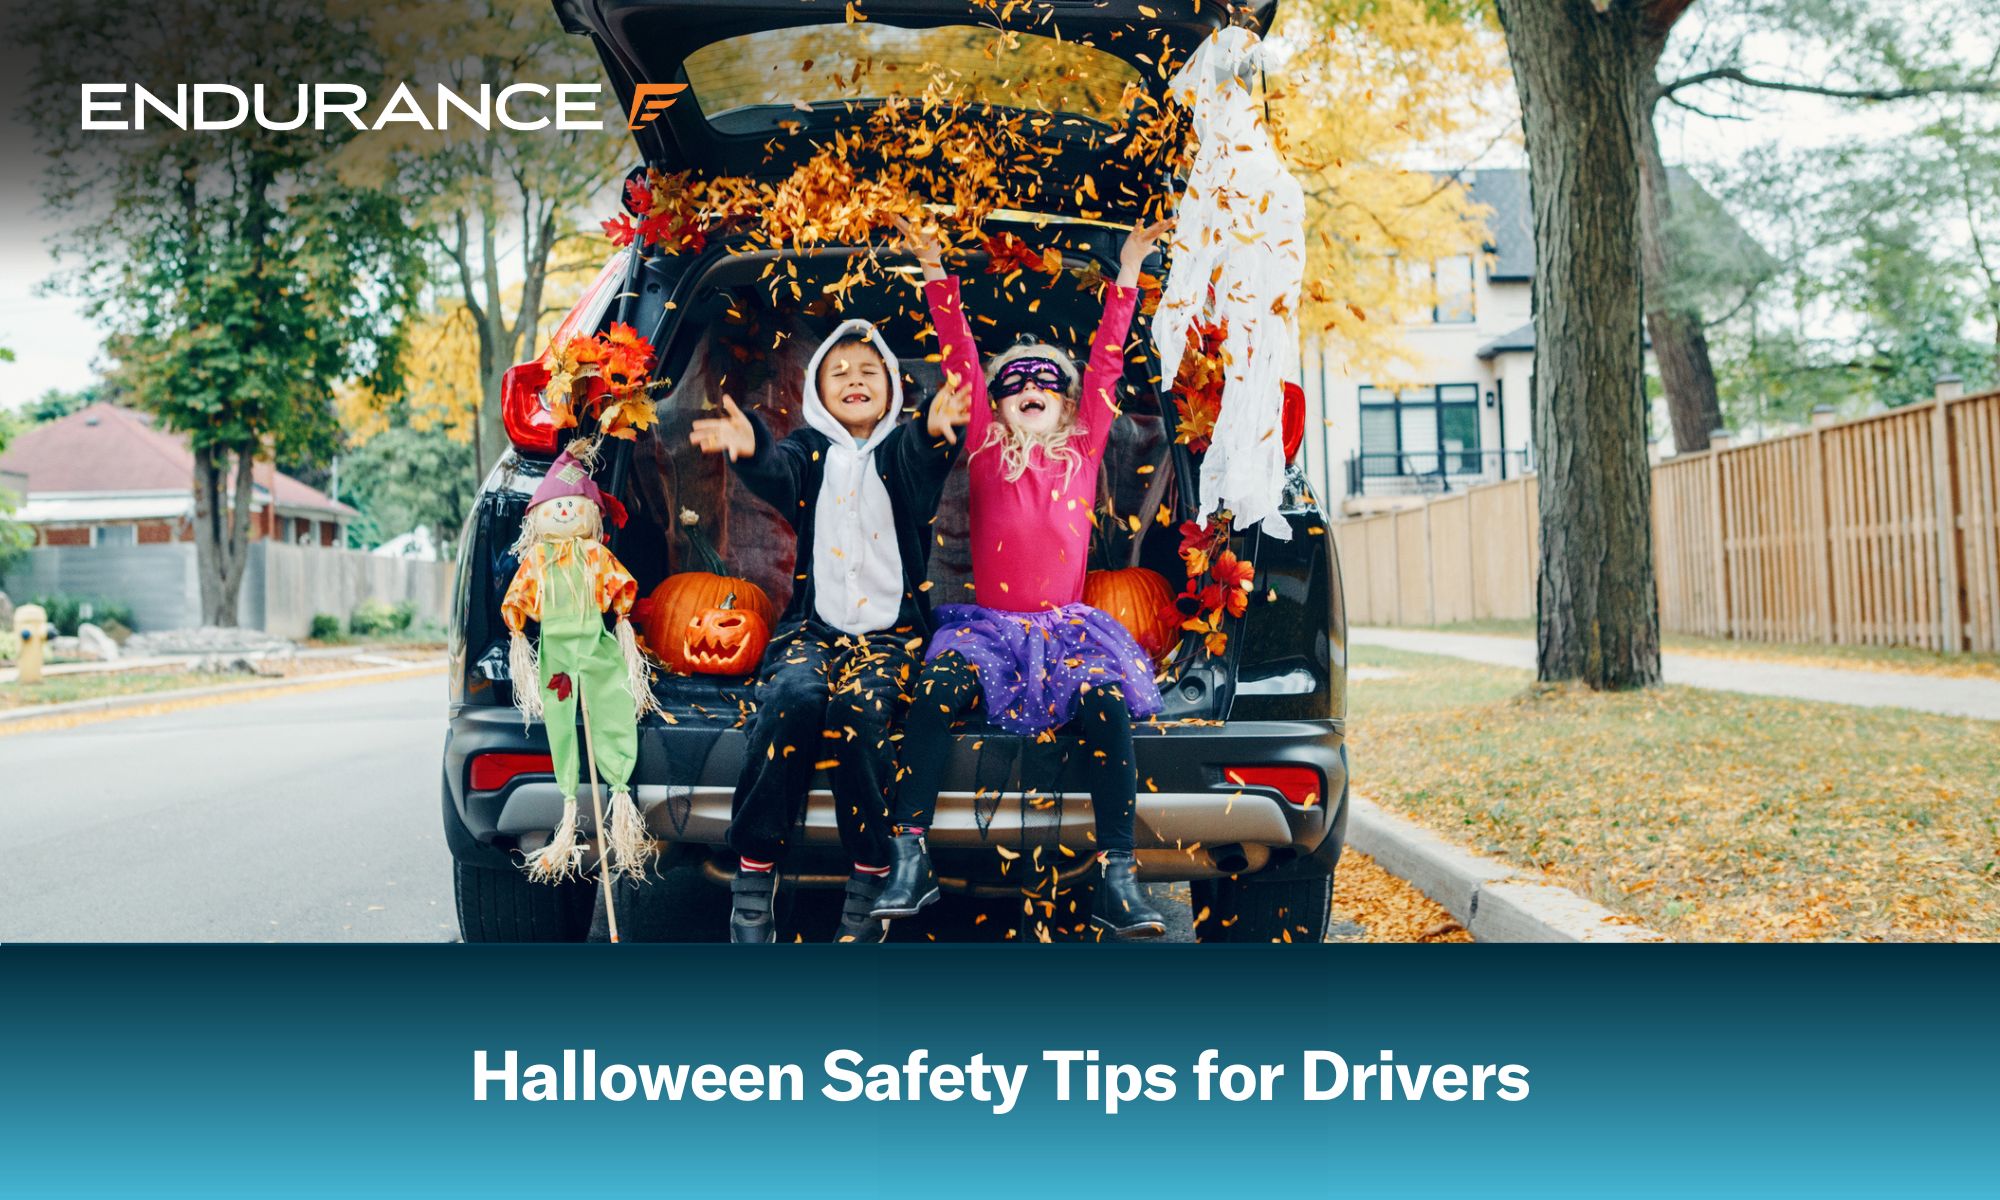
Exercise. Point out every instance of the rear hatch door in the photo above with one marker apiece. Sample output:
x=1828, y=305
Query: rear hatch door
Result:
x=769, y=81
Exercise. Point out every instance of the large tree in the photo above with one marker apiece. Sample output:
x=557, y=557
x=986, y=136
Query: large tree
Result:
x=1578, y=72
x=239, y=281
x=500, y=209
x=1861, y=52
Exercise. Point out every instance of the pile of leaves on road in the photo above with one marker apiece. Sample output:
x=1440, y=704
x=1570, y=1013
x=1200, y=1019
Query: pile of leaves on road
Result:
x=1386, y=908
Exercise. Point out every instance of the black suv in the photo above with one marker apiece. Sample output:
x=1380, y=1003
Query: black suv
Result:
x=1243, y=780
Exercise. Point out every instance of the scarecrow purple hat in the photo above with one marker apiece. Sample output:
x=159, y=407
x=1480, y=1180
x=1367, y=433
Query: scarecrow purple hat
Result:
x=568, y=476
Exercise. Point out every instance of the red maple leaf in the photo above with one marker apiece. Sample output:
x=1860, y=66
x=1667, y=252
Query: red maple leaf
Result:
x=620, y=230
x=559, y=683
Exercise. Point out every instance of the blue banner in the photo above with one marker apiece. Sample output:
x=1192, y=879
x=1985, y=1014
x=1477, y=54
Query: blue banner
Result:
x=1217, y=1071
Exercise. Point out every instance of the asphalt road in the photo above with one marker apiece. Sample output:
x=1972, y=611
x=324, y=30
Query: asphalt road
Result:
x=306, y=818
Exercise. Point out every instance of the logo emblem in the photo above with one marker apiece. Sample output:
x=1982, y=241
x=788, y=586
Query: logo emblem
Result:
x=650, y=101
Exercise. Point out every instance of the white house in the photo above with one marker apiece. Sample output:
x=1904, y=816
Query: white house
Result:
x=1370, y=447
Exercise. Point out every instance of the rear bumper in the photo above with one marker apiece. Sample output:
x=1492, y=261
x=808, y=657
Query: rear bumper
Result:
x=1192, y=821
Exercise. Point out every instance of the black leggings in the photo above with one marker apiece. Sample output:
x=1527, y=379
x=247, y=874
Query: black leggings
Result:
x=949, y=690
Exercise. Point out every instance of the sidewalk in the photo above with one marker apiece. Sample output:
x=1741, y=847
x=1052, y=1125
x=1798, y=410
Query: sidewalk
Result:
x=1948, y=697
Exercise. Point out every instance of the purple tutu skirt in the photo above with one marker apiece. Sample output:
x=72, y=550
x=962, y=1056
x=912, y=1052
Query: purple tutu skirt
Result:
x=1033, y=664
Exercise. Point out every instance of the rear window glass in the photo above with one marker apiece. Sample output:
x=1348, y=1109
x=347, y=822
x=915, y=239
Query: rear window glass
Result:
x=818, y=64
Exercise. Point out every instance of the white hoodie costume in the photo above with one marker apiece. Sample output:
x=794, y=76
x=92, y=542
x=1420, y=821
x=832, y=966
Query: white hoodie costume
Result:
x=857, y=569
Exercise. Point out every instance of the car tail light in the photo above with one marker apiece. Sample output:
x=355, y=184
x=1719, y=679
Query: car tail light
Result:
x=491, y=772
x=524, y=410
x=1299, y=785
x=1293, y=417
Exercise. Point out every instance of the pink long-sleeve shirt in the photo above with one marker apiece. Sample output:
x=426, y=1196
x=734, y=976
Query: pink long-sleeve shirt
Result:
x=1031, y=537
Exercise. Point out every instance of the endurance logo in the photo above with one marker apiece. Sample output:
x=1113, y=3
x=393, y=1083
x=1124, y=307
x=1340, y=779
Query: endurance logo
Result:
x=650, y=101
x=522, y=106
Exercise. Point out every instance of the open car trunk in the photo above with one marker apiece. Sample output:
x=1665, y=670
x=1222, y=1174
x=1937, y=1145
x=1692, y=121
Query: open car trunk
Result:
x=1070, y=82
x=746, y=325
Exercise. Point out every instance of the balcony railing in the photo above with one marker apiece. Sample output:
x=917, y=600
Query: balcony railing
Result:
x=1432, y=472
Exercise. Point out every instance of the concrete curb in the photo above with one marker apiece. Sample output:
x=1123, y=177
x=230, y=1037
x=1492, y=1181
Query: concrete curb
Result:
x=114, y=706
x=1495, y=902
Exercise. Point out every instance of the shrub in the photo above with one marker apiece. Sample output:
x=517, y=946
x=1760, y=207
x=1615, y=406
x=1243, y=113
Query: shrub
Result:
x=375, y=617
x=67, y=612
x=325, y=627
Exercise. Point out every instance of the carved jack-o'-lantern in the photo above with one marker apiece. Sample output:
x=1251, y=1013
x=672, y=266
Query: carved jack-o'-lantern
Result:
x=683, y=597
x=725, y=640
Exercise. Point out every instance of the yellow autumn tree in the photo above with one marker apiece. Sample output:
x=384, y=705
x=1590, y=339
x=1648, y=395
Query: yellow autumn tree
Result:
x=443, y=382
x=1380, y=101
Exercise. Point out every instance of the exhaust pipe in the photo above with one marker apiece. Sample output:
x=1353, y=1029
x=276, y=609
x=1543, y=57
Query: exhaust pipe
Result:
x=1230, y=859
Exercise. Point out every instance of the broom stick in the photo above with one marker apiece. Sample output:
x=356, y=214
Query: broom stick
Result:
x=605, y=879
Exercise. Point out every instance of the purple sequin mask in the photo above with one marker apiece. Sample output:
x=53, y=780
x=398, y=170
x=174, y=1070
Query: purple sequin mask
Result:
x=1020, y=374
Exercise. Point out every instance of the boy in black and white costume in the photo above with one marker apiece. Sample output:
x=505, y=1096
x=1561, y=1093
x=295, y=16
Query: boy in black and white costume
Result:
x=860, y=492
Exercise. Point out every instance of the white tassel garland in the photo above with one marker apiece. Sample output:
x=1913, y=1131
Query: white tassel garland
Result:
x=562, y=858
x=629, y=846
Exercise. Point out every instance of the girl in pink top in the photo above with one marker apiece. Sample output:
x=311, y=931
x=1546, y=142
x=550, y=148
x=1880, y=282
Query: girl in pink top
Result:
x=1030, y=652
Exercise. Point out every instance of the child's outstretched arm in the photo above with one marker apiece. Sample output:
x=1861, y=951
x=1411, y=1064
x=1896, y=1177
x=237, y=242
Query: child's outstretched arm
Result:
x=961, y=353
x=1096, y=407
x=772, y=470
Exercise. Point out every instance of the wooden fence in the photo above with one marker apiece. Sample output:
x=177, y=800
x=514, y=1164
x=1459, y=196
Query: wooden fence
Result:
x=1881, y=530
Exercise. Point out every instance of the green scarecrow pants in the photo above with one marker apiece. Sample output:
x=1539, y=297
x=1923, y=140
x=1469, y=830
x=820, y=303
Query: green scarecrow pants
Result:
x=576, y=644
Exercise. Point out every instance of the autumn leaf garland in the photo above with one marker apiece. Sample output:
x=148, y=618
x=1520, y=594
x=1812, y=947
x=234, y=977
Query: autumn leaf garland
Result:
x=1201, y=607
x=601, y=375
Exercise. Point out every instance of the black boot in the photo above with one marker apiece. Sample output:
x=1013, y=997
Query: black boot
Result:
x=750, y=906
x=912, y=883
x=858, y=923
x=1121, y=908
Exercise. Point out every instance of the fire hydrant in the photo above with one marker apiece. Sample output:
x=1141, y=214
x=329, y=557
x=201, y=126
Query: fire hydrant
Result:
x=31, y=629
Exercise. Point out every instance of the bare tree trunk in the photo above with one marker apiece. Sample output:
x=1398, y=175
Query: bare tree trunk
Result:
x=221, y=530
x=1680, y=345
x=1581, y=83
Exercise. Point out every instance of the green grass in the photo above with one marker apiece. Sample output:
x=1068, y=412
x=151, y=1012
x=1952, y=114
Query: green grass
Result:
x=1707, y=815
x=1908, y=659
x=61, y=689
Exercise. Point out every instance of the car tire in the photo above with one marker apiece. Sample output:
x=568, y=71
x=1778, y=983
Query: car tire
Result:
x=506, y=906
x=1247, y=909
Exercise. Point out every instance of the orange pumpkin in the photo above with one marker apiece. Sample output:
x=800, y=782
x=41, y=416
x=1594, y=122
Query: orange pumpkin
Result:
x=681, y=599
x=1138, y=599
x=725, y=640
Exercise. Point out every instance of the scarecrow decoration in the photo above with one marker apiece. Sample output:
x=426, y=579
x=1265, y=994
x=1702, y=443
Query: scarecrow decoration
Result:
x=568, y=580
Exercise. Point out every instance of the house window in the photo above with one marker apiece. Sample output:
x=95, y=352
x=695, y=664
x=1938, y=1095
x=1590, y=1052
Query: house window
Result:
x=1454, y=291
x=1420, y=431
x=115, y=535
x=1452, y=280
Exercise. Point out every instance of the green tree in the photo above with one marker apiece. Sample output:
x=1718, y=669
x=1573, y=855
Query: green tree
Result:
x=1863, y=53
x=404, y=478
x=239, y=278
x=54, y=404
x=14, y=537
